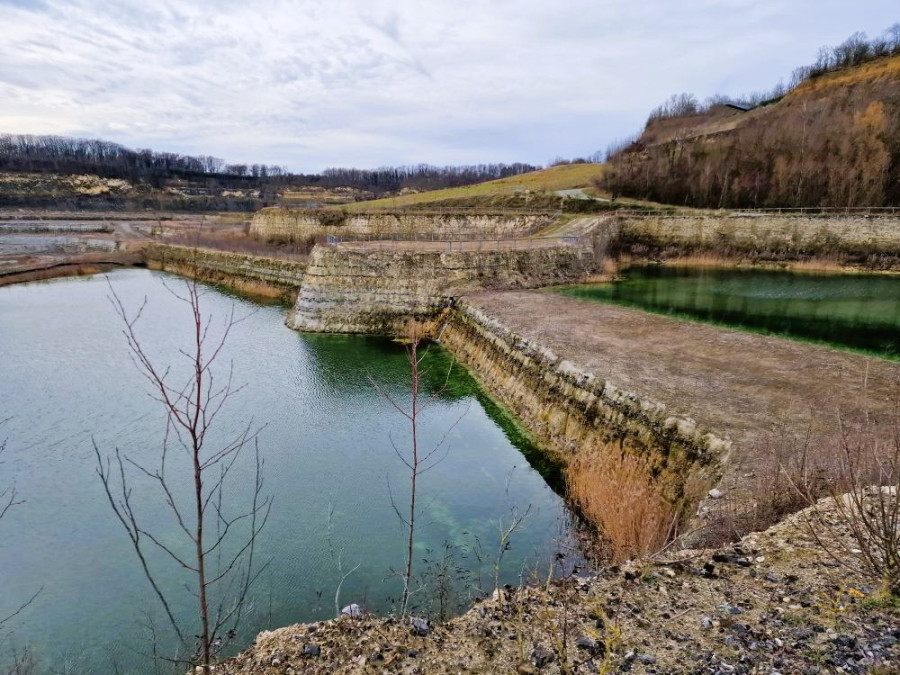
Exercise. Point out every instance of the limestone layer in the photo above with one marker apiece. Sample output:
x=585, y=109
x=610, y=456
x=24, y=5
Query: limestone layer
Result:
x=303, y=224
x=349, y=290
x=573, y=412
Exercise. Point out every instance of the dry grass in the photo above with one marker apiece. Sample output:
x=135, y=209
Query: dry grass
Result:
x=887, y=68
x=618, y=492
x=793, y=468
x=563, y=177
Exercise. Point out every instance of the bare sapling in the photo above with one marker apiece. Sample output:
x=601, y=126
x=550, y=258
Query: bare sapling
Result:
x=506, y=528
x=416, y=459
x=337, y=557
x=10, y=499
x=215, y=539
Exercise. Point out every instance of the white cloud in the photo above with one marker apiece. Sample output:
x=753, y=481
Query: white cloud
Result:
x=311, y=84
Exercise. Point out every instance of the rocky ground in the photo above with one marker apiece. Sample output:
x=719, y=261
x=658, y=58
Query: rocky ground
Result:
x=776, y=602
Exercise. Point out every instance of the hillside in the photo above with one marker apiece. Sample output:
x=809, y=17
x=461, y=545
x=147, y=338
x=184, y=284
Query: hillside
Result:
x=528, y=187
x=833, y=140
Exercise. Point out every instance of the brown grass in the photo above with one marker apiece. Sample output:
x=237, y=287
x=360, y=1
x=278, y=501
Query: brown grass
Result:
x=794, y=467
x=617, y=491
x=251, y=288
x=563, y=177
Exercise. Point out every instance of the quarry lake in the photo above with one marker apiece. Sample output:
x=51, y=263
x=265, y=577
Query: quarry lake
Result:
x=853, y=311
x=67, y=381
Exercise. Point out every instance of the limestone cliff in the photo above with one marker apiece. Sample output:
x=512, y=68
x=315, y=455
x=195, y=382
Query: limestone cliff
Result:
x=303, y=224
x=255, y=275
x=573, y=412
x=354, y=290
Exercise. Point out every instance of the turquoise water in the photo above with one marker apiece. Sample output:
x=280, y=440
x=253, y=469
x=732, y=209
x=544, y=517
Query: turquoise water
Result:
x=847, y=310
x=66, y=378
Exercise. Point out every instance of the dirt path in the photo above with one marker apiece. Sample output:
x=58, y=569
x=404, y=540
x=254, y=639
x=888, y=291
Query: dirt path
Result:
x=739, y=385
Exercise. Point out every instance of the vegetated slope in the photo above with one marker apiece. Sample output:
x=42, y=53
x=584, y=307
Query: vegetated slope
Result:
x=527, y=187
x=833, y=140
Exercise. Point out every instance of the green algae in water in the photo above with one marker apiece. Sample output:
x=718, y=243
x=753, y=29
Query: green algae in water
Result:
x=852, y=311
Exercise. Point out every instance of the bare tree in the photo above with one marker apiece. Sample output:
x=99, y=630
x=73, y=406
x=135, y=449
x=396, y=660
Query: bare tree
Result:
x=216, y=543
x=416, y=460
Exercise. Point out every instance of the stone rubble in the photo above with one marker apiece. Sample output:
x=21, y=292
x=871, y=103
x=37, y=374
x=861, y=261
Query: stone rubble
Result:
x=773, y=603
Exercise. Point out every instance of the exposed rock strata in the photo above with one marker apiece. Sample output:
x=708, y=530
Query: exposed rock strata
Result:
x=348, y=290
x=254, y=274
x=870, y=243
x=300, y=224
x=571, y=411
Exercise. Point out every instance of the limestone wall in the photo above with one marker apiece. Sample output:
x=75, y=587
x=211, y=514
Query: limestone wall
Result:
x=300, y=224
x=352, y=290
x=854, y=241
x=256, y=275
x=574, y=413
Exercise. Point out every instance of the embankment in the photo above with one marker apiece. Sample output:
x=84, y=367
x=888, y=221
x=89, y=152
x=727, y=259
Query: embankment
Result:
x=858, y=242
x=278, y=223
x=356, y=290
x=250, y=274
x=587, y=421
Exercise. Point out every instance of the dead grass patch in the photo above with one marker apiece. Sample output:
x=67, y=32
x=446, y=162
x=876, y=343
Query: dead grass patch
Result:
x=617, y=491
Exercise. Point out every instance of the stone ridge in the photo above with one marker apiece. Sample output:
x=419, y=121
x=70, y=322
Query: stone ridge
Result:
x=229, y=265
x=574, y=412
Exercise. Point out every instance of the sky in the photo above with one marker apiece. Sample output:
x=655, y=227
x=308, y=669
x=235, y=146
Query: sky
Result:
x=310, y=84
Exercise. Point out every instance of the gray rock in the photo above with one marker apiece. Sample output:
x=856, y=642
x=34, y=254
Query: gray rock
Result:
x=646, y=659
x=312, y=650
x=541, y=657
x=420, y=626
x=584, y=642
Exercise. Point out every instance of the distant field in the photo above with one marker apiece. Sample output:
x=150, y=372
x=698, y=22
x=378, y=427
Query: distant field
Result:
x=563, y=177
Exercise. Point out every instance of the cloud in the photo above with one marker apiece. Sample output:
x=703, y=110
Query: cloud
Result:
x=310, y=84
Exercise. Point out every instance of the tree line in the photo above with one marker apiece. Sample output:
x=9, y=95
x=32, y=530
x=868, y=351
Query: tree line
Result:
x=829, y=147
x=68, y=156
x=856, y=50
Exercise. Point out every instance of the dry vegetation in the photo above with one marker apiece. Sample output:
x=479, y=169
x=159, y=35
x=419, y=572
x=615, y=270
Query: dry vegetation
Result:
x=832, y=140
x=617, y=492
x=562, y=177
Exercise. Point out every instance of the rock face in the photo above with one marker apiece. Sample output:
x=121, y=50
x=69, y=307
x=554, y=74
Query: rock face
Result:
x=352, y=290
x=870, y=243
x=271, y=277
x=301, y=224
x=574, y=412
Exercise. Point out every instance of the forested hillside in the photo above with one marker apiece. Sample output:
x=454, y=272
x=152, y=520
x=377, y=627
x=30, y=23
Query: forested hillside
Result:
x=59, y=171
x=829, y=138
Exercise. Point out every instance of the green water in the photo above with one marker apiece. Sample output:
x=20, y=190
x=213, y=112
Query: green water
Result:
x=855, y=311
x=66, y=378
